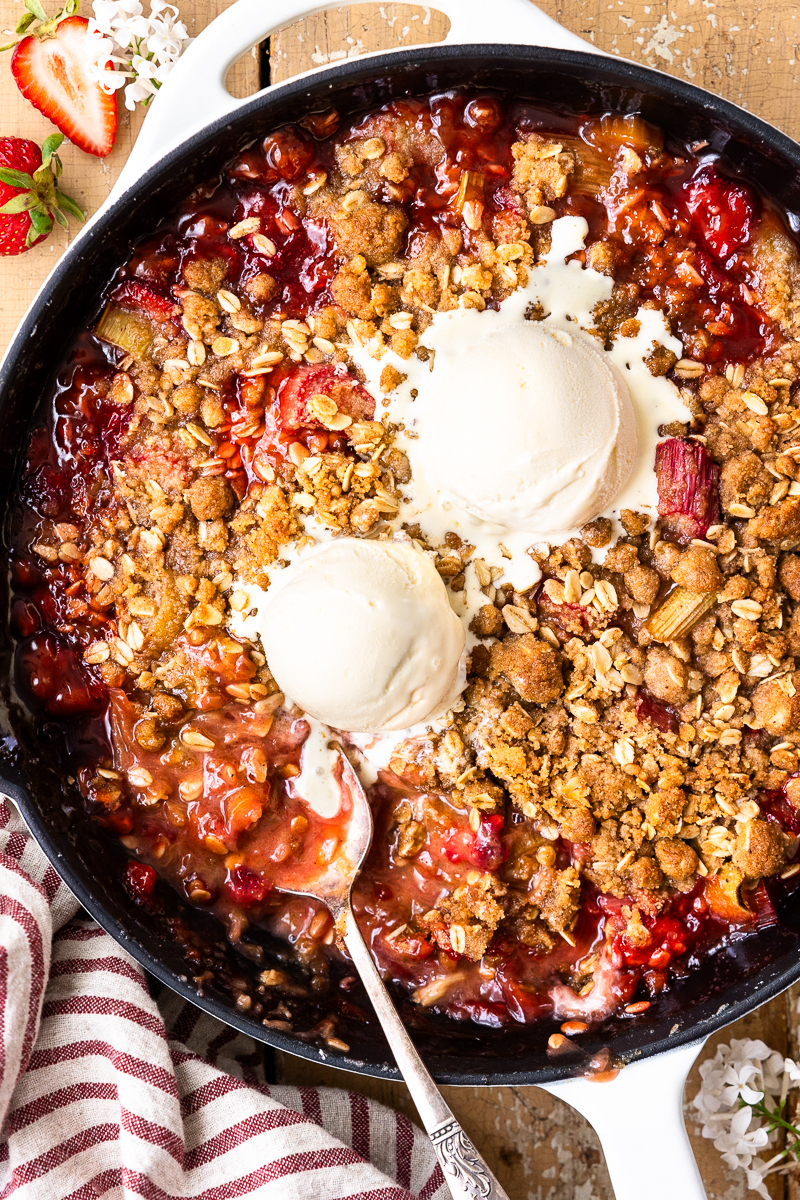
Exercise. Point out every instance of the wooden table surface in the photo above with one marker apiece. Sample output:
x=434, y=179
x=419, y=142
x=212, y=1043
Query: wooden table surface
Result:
x=540, y=1149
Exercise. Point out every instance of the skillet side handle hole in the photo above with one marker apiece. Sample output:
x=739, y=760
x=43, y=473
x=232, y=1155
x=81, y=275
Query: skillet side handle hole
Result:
x=331, y=36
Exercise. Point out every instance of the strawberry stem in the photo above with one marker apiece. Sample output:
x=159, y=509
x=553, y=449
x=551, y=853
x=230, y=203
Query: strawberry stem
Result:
x=47, y=25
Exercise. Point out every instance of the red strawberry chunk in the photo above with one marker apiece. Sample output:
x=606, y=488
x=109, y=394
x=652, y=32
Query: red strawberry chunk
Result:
x=688, y=489
x=776, y=807
x=336, y=382
x=243, y=886
x=54, y=676
x=140, y=880
x=167, y=468
x=655, y=713
x=723, y=211
x=762, y=905
x=132, y=294
x=289, y=153
x=441, y=936
x=483, y=848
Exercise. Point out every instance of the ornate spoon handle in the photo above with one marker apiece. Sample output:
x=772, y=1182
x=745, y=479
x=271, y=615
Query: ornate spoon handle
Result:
x=467, y=1175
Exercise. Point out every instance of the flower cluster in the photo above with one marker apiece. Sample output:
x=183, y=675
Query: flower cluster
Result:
x=128, y=49
x=743, y=1102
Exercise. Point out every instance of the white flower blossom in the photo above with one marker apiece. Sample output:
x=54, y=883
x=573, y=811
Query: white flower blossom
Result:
x=128, y=49
x=741, y=1087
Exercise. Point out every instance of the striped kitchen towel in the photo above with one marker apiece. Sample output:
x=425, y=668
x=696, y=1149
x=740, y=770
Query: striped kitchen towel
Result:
x=108, y=1091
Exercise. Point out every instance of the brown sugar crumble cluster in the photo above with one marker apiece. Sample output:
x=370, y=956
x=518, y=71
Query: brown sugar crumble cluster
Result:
x=619, y=785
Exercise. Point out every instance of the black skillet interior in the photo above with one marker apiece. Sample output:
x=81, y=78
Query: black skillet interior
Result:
x=724, y=986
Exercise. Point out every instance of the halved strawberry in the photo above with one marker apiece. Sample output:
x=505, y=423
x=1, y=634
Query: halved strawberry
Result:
x=51, y=67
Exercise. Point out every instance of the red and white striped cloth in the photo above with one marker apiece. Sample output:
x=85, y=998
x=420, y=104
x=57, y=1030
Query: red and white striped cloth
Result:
x=106, y=1091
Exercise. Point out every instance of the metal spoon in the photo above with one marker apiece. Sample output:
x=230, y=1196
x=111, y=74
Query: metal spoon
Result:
x=467, y=1175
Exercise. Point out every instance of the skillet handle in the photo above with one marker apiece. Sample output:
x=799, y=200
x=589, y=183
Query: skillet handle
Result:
x=639, y=1119
x=194, y=95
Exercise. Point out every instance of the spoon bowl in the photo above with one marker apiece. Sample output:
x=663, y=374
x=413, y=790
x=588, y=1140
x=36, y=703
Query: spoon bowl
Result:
x=332, y=883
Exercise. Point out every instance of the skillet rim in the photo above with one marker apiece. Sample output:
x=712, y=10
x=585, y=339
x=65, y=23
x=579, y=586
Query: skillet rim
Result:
x=694, y=1023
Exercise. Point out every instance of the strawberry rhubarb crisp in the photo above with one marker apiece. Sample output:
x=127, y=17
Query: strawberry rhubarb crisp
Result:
x=477, y=423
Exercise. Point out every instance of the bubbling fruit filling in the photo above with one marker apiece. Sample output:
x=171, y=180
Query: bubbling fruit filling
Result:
x=314, y=362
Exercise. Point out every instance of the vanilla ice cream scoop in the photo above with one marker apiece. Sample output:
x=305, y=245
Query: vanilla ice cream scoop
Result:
x=531, y=428
x=361, y=635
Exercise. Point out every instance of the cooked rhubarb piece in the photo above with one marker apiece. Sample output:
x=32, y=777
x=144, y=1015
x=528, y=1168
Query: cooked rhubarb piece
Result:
x=593, y=170
x=688, y=487
x=679, y=613
x=129, y=330
x=631, y=130
x=469, y=199
x=130, y=321
x=327, y=397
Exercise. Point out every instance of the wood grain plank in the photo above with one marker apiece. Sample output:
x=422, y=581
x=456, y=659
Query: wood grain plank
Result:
x=89, y=180
x=347, y=32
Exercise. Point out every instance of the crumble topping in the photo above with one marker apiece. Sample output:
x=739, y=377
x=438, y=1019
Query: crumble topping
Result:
x=630, y=724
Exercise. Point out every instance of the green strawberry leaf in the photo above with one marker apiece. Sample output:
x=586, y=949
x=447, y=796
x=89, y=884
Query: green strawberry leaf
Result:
x=23, y=23
x=68, y=205
x=40, y=221
x=49, y=147
x=36, y=10
x=15, y=178
x=18, y=204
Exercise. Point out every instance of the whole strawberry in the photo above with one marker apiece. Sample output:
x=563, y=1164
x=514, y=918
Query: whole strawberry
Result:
x=30, y=199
